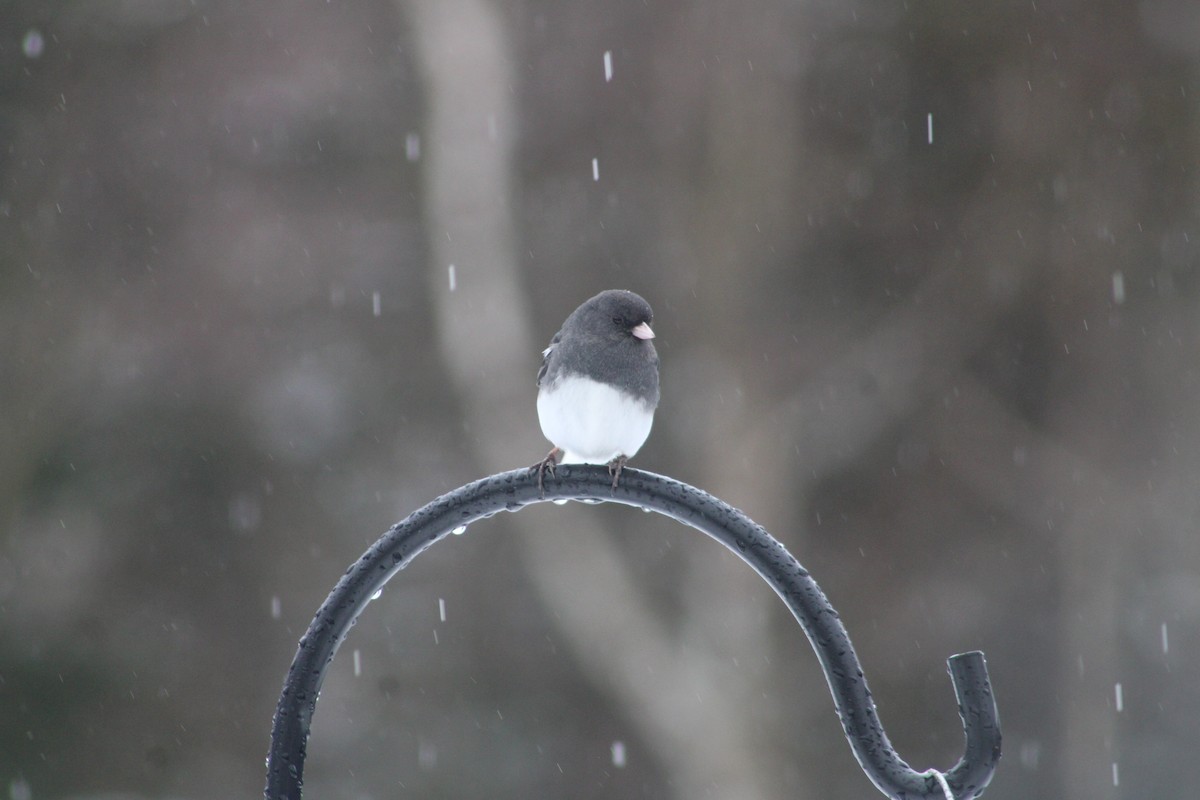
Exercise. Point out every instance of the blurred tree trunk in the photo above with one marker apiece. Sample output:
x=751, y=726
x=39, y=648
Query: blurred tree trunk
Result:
x=486, y=340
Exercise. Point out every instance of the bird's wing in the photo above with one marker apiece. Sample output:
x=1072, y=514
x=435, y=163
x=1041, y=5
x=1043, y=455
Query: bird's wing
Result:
x=546, y=357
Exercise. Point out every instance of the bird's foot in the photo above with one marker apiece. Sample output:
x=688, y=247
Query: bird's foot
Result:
x=614, y=468
x=547, y=464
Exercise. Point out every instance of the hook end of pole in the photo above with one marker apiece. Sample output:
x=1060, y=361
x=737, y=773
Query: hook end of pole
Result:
x=981, y=724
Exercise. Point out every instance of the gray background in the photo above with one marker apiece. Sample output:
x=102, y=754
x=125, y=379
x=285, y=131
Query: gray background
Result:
x=957, y=379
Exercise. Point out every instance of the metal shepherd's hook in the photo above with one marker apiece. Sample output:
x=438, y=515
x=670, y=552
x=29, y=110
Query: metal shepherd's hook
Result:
x=512, y=491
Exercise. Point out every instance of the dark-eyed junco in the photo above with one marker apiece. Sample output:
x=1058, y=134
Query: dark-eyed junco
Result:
x=598, y=385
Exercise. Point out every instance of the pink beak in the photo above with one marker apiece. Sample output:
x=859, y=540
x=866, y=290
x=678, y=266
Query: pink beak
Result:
x=642, y=331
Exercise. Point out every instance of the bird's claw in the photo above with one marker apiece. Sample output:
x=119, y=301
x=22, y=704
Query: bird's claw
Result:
x=614, y=468
x=547, y=464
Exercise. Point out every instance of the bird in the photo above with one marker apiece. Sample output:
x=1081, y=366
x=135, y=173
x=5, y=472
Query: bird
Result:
x=598, y=384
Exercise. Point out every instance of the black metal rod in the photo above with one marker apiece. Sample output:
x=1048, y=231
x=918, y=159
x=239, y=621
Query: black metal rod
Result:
x=511, y=491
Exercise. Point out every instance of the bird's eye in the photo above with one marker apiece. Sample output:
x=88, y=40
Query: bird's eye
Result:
x=618, y=321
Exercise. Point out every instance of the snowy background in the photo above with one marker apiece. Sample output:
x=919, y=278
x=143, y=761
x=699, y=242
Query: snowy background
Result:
x=926, y=278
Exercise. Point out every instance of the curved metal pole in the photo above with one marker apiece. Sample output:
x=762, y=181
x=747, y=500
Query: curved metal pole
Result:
x=511, y=491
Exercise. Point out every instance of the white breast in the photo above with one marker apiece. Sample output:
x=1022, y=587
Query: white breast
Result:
x=591, y=421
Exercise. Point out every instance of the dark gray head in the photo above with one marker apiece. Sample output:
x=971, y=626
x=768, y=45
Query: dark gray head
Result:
x=607, y=339
x=614, y=315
